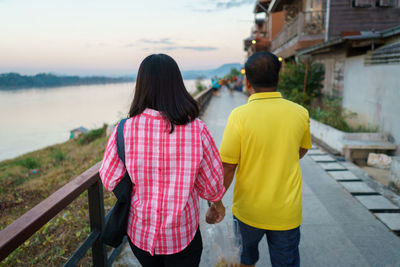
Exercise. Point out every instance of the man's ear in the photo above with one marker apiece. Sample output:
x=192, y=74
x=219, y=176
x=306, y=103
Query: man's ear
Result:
x=249, y=87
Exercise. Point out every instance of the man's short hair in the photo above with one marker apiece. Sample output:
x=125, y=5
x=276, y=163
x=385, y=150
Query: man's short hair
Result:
x=262, y=70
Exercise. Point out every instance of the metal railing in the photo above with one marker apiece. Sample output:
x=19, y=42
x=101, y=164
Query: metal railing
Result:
x=29, y=223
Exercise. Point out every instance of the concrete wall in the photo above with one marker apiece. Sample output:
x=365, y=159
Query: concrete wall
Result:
x=334, y=68
x=374, y=93
x=338, y=140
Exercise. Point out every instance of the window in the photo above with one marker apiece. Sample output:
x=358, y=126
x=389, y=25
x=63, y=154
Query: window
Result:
x=386, y=3
x=362, y=3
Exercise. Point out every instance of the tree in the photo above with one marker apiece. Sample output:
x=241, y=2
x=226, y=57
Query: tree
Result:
x=234, y=72
x=301, y=82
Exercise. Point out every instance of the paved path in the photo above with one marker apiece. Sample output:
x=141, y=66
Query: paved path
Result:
x=337, y=229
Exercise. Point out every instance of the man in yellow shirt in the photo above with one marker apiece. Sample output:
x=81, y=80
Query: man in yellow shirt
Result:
x=263, y=141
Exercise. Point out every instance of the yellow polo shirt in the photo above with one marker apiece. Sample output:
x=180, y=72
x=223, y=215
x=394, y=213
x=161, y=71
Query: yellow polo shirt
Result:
x=264, y=137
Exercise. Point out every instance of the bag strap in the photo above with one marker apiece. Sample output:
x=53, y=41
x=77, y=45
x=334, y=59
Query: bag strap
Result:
x=121, y=141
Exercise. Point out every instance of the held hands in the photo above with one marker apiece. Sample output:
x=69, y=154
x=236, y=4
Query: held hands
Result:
x=215, y=213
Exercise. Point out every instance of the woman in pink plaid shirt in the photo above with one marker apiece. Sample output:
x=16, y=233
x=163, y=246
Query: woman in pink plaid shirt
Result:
x=172, y=160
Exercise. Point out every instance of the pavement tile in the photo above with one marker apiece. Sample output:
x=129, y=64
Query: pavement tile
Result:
x=376, y=203
x=322, y=158
x=316, y=152
x=357, y=187
x=314, y=212
x=328, y=246
x=343, y=175
x=331, y=166
x=391, y=220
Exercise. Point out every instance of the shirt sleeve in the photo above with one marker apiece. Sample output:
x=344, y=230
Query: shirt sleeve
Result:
x=306, y=141
x=112, y=168
x=230, y=146
x=210, y=179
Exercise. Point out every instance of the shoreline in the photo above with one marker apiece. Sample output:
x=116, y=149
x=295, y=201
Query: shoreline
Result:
x=20, y=88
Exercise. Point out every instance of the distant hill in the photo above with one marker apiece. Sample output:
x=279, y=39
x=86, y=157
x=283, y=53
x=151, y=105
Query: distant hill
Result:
x=15, y=80
x=220, y=71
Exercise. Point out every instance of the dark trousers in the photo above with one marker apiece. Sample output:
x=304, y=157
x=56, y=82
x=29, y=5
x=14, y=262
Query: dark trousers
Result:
x=189, y=257
x=283, y=245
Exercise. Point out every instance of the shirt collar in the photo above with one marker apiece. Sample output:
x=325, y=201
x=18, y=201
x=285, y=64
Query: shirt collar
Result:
x=264, y=95
x=152, y=112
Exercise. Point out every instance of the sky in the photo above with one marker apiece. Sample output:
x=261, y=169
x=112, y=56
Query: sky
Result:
x=100, y=37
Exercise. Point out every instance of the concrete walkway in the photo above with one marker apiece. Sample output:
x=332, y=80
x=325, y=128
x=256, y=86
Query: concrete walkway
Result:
x=337, y=229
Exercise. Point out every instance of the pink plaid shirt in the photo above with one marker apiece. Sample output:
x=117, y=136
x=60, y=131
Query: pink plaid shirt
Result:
x=169, y=173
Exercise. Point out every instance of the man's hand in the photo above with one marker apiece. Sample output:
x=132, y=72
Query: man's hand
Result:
x=215, y=213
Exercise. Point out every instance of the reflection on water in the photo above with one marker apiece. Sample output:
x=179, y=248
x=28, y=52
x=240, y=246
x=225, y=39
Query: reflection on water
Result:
x=35, y=118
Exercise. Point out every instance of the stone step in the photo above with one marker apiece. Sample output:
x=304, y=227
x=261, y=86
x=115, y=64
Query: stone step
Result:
x=316, y=152
x=323, y=158
x=343, y=176
x=391, y=220
x=358, y=188
x=332, y=166
x=377, y=203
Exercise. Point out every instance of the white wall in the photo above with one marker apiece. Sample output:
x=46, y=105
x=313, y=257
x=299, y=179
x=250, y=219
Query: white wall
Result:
x=374, y=93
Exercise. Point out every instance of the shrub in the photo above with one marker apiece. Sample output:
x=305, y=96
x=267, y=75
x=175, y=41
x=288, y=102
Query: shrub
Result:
x=29, y=163
x=332, y=113
x=91, y=135
x=199, y=84
x=58, y=155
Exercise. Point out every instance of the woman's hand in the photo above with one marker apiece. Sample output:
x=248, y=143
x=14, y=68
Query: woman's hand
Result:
x=215, y=213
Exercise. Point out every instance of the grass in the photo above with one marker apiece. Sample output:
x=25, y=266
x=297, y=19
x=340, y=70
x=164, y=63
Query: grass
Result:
x=28, y=163
x=21, y=189
x=331, y=112
x=91, y=135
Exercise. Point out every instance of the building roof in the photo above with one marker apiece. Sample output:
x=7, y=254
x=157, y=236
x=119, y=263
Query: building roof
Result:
x=261, y=6
x=387, y=54
x=362, y=35
x=80, y=129
x=276, y=5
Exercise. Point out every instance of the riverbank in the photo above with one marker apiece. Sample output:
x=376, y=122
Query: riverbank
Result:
x=28, y=179
x=15, y=81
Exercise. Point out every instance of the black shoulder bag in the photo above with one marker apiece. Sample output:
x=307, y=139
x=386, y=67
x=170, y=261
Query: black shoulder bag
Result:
x=117, y=219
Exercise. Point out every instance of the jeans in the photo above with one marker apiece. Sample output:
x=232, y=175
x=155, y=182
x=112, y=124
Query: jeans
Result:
x=283, y=245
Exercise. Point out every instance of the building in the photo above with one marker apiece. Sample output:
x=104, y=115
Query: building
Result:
x=75, y=133
x=357, y=41
x=363, y=70
x=293, y=25
x=264, y=29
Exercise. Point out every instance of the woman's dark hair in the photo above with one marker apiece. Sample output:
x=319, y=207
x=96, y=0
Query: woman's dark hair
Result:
x=159, y=86
x=262, y=70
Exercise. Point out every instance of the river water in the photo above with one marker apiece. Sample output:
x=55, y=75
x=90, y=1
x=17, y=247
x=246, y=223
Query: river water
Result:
x=34, y=118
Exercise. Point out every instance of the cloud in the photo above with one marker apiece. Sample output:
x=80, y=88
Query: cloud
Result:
x=195, y=48
x=233, y=3
x=161, y=41
x=92, y=45
x=214, y=6
x=166, y=41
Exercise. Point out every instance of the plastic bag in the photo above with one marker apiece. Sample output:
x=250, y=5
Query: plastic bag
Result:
x=226, y=243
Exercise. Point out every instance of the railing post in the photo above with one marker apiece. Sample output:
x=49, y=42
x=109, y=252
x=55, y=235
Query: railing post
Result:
x=300, y=26
x=97, y=220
